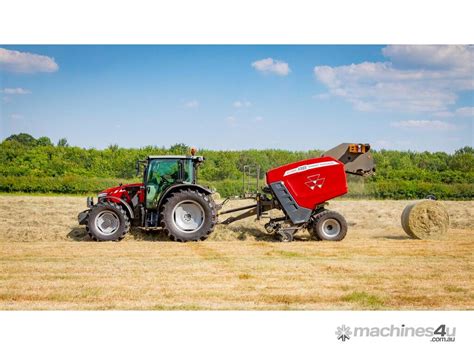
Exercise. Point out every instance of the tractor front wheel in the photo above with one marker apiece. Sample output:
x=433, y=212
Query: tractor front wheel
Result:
x=107, y=221
x=329, y=225
x=188, y=215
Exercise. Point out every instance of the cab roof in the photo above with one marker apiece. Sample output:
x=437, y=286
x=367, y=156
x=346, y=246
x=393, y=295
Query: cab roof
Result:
x=190, y=157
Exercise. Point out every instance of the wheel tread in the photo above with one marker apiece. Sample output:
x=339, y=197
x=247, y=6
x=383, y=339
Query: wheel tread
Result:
x=317, y=218
x=119, y=209
x=206, y=198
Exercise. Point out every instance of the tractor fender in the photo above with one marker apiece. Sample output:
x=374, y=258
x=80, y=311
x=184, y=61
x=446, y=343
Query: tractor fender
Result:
x=177, y=187
x=121, y=202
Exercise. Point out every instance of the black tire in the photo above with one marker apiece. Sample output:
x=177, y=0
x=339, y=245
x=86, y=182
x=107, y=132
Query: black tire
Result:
x=199, y=209
x=285, y=237
x=329, y=225
x=114, y=219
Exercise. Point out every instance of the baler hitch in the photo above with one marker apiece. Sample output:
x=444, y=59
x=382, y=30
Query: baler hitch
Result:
x=263, y=204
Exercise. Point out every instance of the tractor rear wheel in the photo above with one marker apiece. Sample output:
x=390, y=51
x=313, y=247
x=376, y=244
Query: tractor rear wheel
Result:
x=107, y=221
x=188, y=215
x=329, y=225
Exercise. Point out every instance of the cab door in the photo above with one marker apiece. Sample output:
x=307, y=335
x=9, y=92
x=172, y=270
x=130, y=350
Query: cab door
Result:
x=161, y=173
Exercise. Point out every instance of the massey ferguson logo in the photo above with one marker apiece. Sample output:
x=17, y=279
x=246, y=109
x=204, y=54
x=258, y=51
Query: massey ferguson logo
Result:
x=315, y=181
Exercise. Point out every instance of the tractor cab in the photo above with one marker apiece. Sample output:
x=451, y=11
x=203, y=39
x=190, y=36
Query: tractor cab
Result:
x=163, y=171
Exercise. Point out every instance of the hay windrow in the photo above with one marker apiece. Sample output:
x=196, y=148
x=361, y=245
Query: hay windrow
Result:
x=53, y=218
x=425, y=220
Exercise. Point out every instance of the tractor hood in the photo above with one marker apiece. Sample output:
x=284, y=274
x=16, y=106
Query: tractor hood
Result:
x=119, y=190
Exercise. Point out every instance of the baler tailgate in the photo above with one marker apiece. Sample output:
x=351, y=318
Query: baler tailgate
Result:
x=356, y=158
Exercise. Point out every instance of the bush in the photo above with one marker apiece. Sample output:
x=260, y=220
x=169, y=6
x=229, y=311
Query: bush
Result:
x=36, y=165
x=69, y=184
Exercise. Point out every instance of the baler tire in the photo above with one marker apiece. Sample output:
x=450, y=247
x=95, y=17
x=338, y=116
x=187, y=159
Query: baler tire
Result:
x=114, y=210
x=191, y=202
x=327, y=222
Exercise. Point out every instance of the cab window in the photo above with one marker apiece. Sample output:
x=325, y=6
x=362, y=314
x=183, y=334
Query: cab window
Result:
x=161, y=174
x=188, y=171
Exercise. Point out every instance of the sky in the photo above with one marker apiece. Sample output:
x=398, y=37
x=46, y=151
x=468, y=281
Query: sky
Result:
x=241, y=97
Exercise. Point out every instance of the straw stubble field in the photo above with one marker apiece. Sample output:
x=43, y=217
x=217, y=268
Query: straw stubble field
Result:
x=46, y=262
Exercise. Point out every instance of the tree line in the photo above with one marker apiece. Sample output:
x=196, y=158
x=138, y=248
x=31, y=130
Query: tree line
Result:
x=28, y=164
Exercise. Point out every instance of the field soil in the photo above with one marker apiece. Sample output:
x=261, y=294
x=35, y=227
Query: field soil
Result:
x=48, y=262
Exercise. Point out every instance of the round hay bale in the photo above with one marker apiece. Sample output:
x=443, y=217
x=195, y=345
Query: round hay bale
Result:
x=216, y=196
x=426, y=219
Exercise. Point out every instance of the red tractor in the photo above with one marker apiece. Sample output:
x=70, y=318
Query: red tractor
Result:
x=169, y=197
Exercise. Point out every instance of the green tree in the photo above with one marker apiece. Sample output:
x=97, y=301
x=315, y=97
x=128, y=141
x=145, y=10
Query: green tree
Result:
x=23, y=138
x=113, y=147
x=180, y=149
x=44, y=142
x=31, y=165
x=465, y=150
x=63, y=143
x=463, y=160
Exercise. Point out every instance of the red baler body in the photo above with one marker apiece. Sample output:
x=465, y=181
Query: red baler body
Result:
x=311, y=182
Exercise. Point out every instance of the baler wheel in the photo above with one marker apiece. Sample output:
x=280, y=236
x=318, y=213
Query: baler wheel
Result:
x=329, y=225
x=188, y=215
x=271, y=228
x=107, y=221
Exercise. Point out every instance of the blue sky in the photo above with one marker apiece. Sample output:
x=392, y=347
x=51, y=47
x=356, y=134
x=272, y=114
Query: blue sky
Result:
x=239, y=97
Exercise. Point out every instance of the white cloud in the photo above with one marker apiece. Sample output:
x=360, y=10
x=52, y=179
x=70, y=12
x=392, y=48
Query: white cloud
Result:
x=270, y=65
x=192, y=104
x=15, y=91
x=465, y=111
x=259, y=118
x=240, y=104
x=24, y=62
x=16, y=116
x=443, y=114
x=430, y=56
x=423, y=124
x=411, y=82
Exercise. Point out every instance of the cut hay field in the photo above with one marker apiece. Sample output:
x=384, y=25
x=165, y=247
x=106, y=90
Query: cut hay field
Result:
x=46, y=262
